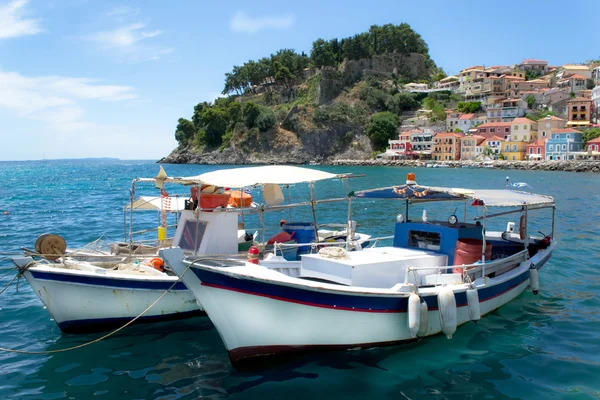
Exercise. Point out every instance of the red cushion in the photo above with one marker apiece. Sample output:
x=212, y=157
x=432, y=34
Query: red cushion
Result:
x=280, y=238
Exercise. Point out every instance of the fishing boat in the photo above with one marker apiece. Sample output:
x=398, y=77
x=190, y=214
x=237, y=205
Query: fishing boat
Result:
x=437, y=275
x=87, y=290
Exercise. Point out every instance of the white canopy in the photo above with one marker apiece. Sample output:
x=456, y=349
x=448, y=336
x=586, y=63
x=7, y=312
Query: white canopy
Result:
x=504, y=198
x=177, y=204
x=250, y=176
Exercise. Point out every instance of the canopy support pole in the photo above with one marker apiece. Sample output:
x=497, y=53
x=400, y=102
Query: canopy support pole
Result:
x=124, y=226
x=465, y=219
x=526, y=239
x=553, y=212
x=483, y=234
x=406, y=211
x=287, y=189
x=197, y=211
x=131, y=196
x=349, y=230
x=312, y=207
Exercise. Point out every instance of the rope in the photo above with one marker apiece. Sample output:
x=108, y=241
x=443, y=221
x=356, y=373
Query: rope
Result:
x=9, y=283
x=102, y=337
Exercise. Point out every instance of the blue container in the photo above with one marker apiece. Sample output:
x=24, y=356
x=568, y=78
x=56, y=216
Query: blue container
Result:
x=289, y=253
x=302, y=232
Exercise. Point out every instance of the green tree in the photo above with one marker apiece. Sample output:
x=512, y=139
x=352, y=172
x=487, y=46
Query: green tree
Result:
x=322, y=53
x=530, y=101
x=539, y=114
x=265, y=120
x=428, y=103
x=382, y=127
x=185, y=131
x=469, y=106
x=250, y=111
x=589, y=134
x=589, y=84
x=214, y=126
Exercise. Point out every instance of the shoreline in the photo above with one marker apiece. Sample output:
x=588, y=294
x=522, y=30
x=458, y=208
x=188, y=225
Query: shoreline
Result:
x=592, y=166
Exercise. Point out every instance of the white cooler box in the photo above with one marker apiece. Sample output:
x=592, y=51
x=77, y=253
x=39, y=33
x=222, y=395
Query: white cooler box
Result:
x=382, y=267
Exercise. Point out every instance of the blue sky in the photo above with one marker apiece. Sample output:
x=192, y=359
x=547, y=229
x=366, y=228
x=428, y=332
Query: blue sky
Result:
x=110, y=78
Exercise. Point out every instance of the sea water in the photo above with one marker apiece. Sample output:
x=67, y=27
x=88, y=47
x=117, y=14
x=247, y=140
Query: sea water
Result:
x=545, y=346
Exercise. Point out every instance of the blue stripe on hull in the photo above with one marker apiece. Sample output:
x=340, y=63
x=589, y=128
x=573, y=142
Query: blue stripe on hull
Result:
x=351, y=302
x=104, y=324
x=109, y=282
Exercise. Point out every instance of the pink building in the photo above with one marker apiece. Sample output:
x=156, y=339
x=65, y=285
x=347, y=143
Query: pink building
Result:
x=536, y=151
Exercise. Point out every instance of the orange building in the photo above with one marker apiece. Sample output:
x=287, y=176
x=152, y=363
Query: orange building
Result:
x=446, y=146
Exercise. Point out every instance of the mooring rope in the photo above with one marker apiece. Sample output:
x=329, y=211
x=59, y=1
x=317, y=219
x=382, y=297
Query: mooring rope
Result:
x=102, y=337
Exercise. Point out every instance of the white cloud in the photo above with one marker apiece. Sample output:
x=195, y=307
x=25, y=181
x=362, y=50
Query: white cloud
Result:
x=13, y=23
x=56, y=100
x=123, y=11
x=243, y=23
x=130, y=41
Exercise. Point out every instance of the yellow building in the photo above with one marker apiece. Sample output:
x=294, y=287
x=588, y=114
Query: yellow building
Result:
x=523, y=130
x=514, y=150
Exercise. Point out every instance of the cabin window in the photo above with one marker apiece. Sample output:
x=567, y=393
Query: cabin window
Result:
x=425, y=240
x=193, y=233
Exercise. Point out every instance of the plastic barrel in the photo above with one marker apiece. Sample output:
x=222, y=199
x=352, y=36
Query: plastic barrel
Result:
x=468, y=251
x=289, y=253
x=302, y=232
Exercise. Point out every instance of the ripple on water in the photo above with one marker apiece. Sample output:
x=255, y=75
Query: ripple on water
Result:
x=535, y=347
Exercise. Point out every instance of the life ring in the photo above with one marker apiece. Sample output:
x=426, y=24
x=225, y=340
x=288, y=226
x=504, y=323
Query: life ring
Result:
x=523, y=227
x=156, y=263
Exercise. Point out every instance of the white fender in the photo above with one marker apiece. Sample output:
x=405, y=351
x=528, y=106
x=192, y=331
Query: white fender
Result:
x=424, y=317
x=534, y=280
x=414, y=314
x=473, y=303
x=447, y=307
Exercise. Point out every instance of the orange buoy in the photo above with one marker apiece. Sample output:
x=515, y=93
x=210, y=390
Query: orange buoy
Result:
x=6, y=213
x=156, y=263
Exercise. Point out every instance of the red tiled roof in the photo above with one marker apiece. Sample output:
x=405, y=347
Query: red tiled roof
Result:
x=597, y=140
x=495, y=125
x=577, y=76
x=495, y=138
x=449, y=134
x=534, y=60
x=467, y=116
x=521, y=121
x=579, y=99
x=565, y=130
x=539, y=142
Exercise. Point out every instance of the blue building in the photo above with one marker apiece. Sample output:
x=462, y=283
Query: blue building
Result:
x=562, y=143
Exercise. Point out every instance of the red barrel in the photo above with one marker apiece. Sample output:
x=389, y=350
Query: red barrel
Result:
x=468, y=251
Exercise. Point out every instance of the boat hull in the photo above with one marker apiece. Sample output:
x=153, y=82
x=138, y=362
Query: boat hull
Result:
x=81, y=303
x=259, y=318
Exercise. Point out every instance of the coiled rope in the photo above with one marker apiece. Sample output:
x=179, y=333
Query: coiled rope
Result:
x=102, y=337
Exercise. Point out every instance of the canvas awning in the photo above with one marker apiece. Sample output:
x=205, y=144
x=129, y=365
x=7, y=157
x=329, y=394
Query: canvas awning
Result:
x=480, y=197
x=176, y=204
x=250, y=176
x=578, y=123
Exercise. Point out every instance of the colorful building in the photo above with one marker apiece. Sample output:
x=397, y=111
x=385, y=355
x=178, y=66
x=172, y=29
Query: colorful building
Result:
x=546, y=125
x=492, y=146
x=593, y=149
x=536, y=151
x=563, y=143
x=446, y=146
x=514, y=150
x=523, y=130
x=532, y=65
x=579, y=111
x=573, y=83
x=489, y=129
x=470, y=147
x=400, y=148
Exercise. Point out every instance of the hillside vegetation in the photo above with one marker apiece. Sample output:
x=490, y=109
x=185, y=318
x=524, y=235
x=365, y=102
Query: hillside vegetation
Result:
x=345, y=99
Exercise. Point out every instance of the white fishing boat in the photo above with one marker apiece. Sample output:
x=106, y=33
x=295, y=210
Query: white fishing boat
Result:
x=436, y=276
x=89, y=290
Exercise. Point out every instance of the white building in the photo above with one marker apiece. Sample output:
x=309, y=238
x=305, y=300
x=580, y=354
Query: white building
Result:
x=596, y=104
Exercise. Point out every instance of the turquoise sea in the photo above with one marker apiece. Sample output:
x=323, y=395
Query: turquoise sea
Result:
x=536, y=347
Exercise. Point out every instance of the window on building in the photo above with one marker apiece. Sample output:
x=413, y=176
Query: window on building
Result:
x=568, y=136
x=582, y=108
x=564, y=146
x=492, y=130
x=515, y=147
x=582, y=116
x=539, y=150
x=514, y=158
x=551, y=147
x=507, y=148
x=574, y=108
x=482, y=130
x=544, y=134
x=507, y=130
